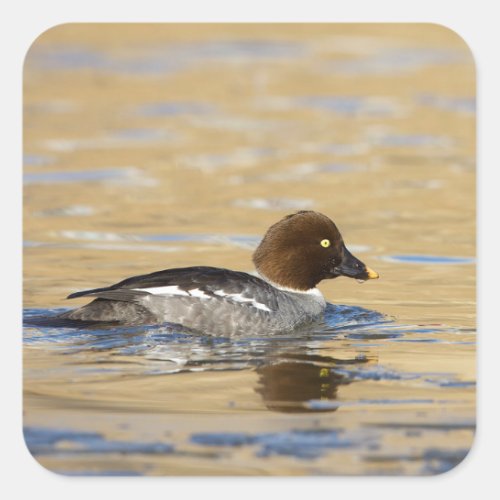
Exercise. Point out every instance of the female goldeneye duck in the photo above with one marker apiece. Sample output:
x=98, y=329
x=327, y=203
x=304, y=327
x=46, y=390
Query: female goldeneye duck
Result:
x=296, y=254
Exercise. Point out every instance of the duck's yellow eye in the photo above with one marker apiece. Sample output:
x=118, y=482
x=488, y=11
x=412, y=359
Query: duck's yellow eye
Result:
x=325, y=243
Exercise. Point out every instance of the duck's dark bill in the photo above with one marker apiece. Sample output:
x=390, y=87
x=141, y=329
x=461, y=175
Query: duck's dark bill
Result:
x=354, y=268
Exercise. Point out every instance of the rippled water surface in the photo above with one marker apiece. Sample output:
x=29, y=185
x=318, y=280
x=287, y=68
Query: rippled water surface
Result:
x=149, y=147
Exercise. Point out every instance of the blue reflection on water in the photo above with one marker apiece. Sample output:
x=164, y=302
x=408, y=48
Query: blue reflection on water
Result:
x=141, y=134
x=466, y=105
x=397, y=60
x=349, y=105
x=98, y=175
x=299, y=443
x=159, y=60
x=413, y=140
x=42, y=441
x=74, y=176
x=36, y=160
x=429, y=259
x=340, y=322
x=173, y=108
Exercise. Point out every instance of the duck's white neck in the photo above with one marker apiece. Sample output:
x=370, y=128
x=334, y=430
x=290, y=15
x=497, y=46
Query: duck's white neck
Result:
x=311, y=291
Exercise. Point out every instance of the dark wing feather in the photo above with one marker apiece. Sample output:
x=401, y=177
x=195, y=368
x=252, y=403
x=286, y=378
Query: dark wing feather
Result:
x=118, y=294
x=159, y=278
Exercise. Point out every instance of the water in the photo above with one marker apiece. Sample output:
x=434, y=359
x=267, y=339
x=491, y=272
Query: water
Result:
x=132, y=165
x=300, y=374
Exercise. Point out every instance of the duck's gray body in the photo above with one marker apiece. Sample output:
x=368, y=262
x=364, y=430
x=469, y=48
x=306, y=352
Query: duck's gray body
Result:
x=211, y=300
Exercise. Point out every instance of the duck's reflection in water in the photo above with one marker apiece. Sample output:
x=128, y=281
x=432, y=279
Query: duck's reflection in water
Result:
x=301, y=383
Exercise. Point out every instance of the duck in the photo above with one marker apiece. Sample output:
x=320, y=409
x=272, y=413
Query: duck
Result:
x=295, y=255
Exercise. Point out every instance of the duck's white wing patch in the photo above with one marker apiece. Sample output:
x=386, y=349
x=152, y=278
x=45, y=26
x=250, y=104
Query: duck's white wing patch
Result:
x=173, y=290
x=238, y=297
x=166, y=291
